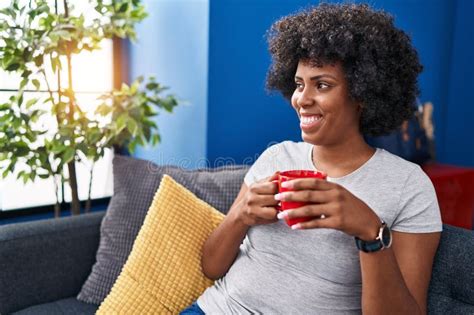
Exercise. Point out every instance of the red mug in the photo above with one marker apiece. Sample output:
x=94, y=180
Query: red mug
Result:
x=286, y=205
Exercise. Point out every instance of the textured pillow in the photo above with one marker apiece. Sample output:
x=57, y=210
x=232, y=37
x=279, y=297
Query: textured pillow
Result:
x=135, y=184
x=163, y=272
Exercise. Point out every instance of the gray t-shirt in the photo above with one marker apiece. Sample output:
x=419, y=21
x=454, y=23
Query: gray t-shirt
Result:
x=317, y=271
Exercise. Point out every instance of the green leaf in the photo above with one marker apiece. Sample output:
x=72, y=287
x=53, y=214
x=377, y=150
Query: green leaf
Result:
x=23, y=83
x=13, y=67
x=16, y=123
x=20, y=99
x=132, y=127
x=134, y=87
x=122, y=121
x=11, y=12
x=20, y=174
x=147, y=134
x=103, y=109
x=31, y=102
x=36, y=114
x=83, y=148
x=32, y=14
x=150, y=123
x=5, y=173
x=55, y=64
x=30, y=136
x=63, y=34
x=43, y=8
x=36, y=83
x=38, y=60
x=49, y=99
x=94, y=136
x=4, y=118
x=131, y=146
x=26, y=73
x=155, y=139
x=58, y=148
x=26, y=177
x=25, y=117
x=23, y=150
x=140, y=141
x=7, y=58
x=123, y=8
x=68, y=155
x=152, y=85
x=124, y=87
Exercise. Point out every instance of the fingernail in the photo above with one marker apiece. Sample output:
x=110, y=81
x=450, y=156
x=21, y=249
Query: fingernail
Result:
x=280, y=196
x=282, y=215
x=296, y=226
x=286, y=185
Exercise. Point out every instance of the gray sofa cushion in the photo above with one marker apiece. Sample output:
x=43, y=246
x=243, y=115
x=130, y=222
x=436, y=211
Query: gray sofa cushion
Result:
x=46, y=260
x=442, y=305
x=452, y=282
x=135, y=183
x=65, y=306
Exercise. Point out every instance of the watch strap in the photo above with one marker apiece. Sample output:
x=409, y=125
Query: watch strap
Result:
x=378, y=244
x=368, y=247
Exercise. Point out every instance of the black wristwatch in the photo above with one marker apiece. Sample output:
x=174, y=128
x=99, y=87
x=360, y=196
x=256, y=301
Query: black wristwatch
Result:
x=383, y=240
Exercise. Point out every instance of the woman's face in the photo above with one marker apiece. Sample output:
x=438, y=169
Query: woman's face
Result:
x=328, y=115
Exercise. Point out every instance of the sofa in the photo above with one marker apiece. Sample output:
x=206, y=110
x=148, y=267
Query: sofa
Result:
x=44, y=264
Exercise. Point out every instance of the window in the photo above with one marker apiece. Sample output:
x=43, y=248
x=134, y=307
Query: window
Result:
x=92, y=76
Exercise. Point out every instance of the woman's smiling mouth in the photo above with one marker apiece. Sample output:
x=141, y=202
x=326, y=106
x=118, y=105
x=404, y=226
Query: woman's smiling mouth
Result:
x=308, y=122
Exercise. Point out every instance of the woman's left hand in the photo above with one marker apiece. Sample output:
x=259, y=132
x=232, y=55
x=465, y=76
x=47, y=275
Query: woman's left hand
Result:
x=331, y=206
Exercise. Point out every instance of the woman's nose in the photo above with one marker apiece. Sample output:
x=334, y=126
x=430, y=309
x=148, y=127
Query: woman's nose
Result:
x=304, y=99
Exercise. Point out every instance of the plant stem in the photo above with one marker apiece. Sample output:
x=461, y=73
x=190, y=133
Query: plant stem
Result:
x=75, y=205
x=66, y=9
x=57, y=206
x=91, y=176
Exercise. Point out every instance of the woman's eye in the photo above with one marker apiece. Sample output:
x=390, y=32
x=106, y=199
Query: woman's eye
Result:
x=322, y=85
x=299, y=86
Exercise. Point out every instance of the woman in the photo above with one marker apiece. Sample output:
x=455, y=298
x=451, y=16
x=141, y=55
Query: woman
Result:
x=348, y=72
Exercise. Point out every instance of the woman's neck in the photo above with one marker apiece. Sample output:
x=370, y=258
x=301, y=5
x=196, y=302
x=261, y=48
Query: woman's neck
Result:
x=343, y=159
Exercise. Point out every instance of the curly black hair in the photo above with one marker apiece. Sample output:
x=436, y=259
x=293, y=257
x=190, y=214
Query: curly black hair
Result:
x=378, y=59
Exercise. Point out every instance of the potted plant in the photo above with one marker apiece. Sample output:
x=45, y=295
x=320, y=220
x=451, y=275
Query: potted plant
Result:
x=38, y=39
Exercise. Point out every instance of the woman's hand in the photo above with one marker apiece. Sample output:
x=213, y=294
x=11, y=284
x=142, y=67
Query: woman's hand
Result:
x=258, y=204
x=332, y=206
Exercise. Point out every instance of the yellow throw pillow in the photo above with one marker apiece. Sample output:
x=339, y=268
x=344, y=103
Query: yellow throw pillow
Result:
x=163, y=273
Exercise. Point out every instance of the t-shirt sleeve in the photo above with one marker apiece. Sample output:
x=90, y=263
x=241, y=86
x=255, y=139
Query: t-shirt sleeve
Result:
x=419, y=206
x=264, y=166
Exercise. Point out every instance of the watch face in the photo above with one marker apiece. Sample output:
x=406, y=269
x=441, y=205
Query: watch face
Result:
x=386, y=237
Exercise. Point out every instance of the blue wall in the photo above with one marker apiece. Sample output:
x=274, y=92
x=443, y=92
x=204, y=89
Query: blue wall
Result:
x=242, y=118
x=173, y=45
x=238, y=119
x=457, y=145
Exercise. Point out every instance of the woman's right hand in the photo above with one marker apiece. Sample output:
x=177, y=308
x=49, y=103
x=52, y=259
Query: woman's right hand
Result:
x=254, y=205
x=259, y=205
